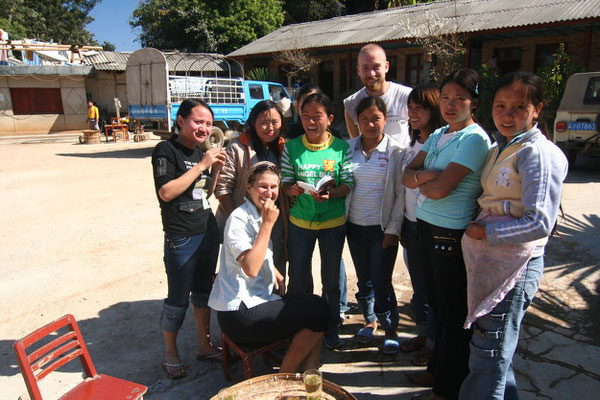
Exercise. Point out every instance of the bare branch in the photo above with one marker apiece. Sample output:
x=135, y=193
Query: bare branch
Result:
x=440, y=39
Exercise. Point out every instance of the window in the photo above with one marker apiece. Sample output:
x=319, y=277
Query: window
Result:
x=508, y=59
x=392, y=74
x=543, y=54
x=256, y=92
x=592, y=92
x=414, y=66
x=276, y=93
x=344, y=76
x=354, y=78
x=36, y=101
x=326, y=77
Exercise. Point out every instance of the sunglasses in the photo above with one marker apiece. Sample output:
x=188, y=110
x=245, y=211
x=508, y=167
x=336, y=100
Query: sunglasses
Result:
x=262, y=168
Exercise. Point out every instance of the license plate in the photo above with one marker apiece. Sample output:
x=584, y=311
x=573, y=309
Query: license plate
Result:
x=582, y=126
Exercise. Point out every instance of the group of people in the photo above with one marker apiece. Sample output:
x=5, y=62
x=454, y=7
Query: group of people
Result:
x=472, y=217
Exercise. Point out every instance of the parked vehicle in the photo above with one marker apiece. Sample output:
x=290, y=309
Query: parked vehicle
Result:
x=577, y=123
x=153, y=94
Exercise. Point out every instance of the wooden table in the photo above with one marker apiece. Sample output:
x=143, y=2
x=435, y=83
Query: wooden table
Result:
x=117, y=128
x=279, y=387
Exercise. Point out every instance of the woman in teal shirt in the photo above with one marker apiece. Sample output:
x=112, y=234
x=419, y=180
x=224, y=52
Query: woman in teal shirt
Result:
x=447, y=172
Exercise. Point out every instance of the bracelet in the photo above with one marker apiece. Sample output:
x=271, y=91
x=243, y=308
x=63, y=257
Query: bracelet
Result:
x=417, y=176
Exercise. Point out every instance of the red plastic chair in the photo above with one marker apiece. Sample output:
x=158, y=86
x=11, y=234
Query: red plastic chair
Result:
x=61, y=350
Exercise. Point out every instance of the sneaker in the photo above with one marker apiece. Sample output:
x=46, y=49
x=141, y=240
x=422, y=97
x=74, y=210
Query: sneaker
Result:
x=331, y=340
x=342, y=319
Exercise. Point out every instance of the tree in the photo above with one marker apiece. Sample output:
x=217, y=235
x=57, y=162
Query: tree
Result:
x=205, y=26
x=440, y=39
x=312, y=10
x=108, y=46
x=555, y=76
x=358, y=6
x=47, y=20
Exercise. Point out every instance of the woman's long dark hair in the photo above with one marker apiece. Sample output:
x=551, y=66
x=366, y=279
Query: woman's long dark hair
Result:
x=185, y=109
x=259, y=148
x=428, y=97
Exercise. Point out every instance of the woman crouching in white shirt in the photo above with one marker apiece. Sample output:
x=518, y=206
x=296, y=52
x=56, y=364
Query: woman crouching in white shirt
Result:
x=249, y=311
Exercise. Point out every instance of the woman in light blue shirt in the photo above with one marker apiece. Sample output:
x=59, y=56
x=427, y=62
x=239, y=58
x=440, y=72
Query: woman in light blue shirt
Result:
x=249, y=311
x=447, y=172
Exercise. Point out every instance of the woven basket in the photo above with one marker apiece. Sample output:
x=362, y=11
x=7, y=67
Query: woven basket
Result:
x=279, y=387
x=90, y=137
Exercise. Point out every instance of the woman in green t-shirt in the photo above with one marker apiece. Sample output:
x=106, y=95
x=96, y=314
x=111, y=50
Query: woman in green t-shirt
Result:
x=319, y=213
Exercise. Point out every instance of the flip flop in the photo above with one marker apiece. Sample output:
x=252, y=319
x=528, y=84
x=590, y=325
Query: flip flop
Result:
x=216, y=357
x=365, y=335
x=422, y=358
x=390, y=346
x=174, y=371
x=413, y=344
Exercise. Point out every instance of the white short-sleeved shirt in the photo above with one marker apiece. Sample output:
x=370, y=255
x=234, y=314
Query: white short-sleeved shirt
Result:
x=395, y=99
x=233, y=286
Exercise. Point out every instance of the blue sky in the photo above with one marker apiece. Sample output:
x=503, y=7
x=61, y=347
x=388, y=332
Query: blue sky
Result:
x=111, y=24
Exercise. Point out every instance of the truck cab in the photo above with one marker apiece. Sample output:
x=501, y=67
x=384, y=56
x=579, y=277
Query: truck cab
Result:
x=577, y=123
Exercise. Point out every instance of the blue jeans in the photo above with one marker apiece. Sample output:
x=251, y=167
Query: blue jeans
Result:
x=343, y=288
x=190, y=263
x=301, y=243
x=344, y=308
x=374, y=267
x=495, y=339
x=416, y=265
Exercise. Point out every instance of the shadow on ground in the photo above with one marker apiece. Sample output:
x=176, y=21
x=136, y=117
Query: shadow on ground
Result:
x=125, y=153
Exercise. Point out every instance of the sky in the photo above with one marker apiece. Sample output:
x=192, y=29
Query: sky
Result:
x=111, y=24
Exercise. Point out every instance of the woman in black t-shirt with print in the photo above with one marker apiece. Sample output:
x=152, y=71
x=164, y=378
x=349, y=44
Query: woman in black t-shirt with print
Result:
x=183, y=184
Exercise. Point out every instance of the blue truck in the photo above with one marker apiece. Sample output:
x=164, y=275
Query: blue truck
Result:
x=154, y=94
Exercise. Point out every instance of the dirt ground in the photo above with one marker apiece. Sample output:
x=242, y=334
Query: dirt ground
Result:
x=81, y=234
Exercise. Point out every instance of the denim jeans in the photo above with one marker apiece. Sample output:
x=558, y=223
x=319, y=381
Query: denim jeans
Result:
x=301, y=243
x=190, y=263
x=344, y=308
x=415, y=263
x=343, y=288
x=495, y=340
x=374, y=267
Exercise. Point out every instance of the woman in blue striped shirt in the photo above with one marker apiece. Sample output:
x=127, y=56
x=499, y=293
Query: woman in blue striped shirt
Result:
x=375, y=210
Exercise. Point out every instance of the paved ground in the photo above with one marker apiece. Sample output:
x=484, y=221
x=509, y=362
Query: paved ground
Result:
x=81, y=234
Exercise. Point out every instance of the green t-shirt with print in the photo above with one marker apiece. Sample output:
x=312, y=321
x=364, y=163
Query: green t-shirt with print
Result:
x=307, y=162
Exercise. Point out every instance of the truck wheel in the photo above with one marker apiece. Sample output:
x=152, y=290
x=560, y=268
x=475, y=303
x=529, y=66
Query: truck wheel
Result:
x=216, y=138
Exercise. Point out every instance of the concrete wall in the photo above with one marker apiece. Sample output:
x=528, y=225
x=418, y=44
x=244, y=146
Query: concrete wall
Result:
x=72, y=89
x=103, y=87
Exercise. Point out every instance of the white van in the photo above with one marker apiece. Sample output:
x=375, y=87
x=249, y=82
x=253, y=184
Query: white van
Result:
x=577, y=123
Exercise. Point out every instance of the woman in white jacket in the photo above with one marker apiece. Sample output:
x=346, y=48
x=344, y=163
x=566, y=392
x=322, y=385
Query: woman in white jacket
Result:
x=375, y=210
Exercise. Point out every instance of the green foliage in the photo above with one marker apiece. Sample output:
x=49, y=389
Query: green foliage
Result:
x=490, y=76
x=260, y=74
x=205, y=26
x=48, y=20
x=311, y=10
x=554, y=76
x=108, y=46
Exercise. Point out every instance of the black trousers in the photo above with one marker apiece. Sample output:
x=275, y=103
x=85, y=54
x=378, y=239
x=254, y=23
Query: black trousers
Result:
x=275, y=320
x=447, y=294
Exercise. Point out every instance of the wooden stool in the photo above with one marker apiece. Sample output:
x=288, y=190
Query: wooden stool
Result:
x=247, y=354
